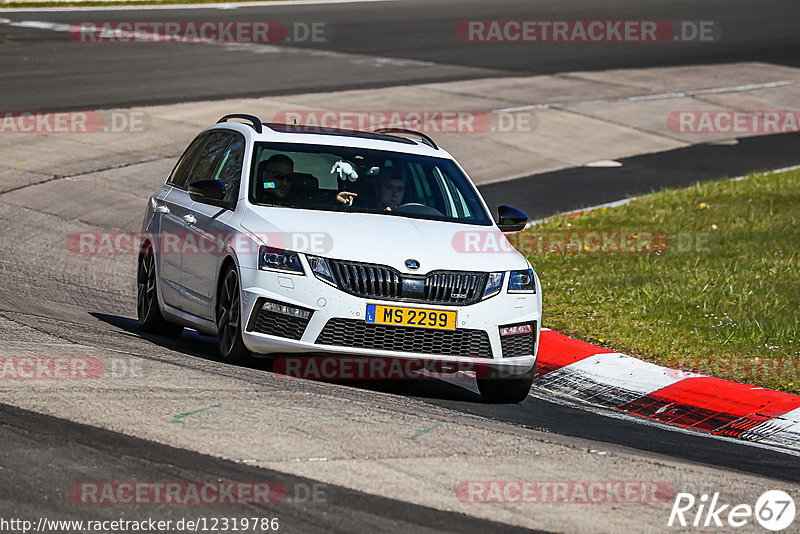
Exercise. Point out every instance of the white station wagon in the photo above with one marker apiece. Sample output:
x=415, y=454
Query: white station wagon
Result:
x=292, y=240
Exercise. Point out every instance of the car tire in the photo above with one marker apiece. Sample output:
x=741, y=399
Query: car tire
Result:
x=229, y=320
x=150, y=318
x=499, y=390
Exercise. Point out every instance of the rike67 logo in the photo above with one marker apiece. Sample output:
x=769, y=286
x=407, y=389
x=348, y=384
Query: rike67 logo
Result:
x=774, y=510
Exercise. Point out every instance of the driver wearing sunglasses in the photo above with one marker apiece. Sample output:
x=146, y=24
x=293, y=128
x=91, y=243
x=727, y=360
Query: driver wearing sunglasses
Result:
x=275, y=174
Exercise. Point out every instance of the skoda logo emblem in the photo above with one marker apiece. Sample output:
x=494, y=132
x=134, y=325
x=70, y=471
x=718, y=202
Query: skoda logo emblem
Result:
x=412, y=265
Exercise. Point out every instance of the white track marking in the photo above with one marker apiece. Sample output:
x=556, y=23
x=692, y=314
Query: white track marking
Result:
x=359, y=59
x=773, y=171
x=603, y=163
x=780, y=431
x=40, y=25
x=656, y=96
x=793, y=416
x=233, y=5
x=623, y=371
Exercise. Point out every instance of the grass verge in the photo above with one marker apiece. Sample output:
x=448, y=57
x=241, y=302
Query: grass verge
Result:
x=703, y=279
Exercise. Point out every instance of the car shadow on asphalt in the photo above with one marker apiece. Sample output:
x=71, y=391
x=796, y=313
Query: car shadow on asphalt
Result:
x=192, y=343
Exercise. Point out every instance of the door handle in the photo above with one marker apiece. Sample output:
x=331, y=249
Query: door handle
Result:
x=162, y=209
x=189, y=219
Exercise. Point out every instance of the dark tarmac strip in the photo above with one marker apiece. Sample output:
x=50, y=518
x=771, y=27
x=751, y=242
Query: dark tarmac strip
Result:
x=562, y=417
x=417, y=40
x=55, y=454
x=542, y=195
x=570, y=420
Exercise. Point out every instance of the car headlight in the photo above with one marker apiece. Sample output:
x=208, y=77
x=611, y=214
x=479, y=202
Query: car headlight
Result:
x=275, y=259
x=493, y=285
x=522, y=281
x=322, y=269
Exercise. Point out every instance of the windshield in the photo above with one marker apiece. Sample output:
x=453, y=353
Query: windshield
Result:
x=359, y=180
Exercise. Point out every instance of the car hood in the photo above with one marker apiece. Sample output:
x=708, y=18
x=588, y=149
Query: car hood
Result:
x=384, y=239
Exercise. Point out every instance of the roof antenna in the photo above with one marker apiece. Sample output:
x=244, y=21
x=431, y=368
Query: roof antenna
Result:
x=295, y=122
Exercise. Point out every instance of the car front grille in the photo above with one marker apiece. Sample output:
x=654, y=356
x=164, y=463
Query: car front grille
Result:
x=368, y=280
x=359, y=334
x=454, y=287
x=277, y=324
x=438, y=287
x=520, y=344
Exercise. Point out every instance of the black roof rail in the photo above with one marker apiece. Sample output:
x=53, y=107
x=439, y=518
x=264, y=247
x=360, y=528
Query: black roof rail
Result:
x=255, y=121
x=324, y=130
x=425, y=139
x=383, y=133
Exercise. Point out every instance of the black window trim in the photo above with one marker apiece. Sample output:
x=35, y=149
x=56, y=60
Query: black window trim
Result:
x=200, y=149
x=216, y=160
x=207, y=135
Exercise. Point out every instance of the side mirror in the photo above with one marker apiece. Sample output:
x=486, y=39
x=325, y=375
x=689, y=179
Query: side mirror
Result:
x=511, y=219
x=209, y=192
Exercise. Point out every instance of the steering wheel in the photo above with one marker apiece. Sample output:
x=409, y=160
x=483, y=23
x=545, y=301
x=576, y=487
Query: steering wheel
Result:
x=415, y=208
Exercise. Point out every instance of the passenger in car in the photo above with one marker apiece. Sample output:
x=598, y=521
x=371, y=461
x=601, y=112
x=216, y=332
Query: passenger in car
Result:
x=389, y=190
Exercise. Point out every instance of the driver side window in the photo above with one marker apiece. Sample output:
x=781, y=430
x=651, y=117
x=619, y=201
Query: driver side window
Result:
x=229, y=170
x=180, y=173
x=210, y=156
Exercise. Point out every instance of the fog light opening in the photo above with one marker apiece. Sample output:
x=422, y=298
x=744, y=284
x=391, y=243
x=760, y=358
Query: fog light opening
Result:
x=516, y=330
x=286, y=310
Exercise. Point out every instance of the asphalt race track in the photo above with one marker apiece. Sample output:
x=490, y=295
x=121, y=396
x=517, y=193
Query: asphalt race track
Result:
x=419, y=35
x=571, y=189
x=27, y=437
x=379, y=472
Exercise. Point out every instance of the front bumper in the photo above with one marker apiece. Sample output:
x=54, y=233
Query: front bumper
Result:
x=337, y=324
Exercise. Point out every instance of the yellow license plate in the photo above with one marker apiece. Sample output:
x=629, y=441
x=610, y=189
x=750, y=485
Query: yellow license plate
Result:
x=420, y=317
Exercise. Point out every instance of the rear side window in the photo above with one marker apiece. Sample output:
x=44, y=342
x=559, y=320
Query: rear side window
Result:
x=210, y=156
x=181, y=171
x=229, y=170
